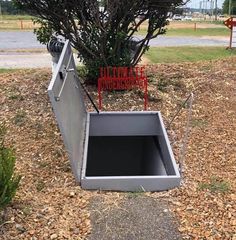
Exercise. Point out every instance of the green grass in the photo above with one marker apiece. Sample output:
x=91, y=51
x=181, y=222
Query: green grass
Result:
x=201, y=123
x=15, y=17
x=200, y=32
x=187, y=54
x=135, y=194
x=6, y=70
x=215, y=185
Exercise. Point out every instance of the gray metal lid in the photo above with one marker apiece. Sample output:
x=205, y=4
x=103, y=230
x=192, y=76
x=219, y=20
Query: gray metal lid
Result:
x=67, y=101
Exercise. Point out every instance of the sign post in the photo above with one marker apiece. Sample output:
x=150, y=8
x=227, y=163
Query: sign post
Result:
x=231, y=24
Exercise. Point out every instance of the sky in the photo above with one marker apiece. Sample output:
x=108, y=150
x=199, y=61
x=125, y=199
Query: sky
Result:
x=196, y=3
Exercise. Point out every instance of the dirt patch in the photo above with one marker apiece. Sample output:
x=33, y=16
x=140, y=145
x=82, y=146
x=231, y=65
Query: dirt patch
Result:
x=190, y=25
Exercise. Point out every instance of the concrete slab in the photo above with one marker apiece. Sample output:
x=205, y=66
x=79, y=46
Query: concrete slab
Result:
x=137, y=217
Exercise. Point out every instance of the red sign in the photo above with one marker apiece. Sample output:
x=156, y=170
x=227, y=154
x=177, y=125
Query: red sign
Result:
x=122, y=78
x=230, y=23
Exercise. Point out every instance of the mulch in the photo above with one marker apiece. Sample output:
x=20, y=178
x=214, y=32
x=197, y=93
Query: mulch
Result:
x=49, y=204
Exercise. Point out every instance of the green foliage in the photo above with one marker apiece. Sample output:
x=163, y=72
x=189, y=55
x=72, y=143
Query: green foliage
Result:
x=82, y=72
x=215, y=185
x=101, y=31
x=9, y=8
x=226, y=7
x=9, y=182
x=44, y=32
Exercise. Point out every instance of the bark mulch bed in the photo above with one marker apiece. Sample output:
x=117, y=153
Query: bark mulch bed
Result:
x=49, y=205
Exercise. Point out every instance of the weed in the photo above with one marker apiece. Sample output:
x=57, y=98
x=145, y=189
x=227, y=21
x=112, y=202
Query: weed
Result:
x=40, y=185
x=39, y=126
x=201, y=123
x=20, y=117
x=162, y=84
x=14, y=96
x=206, y=68
x=39, y=129
x=9, y=182
x=82, y=72
x=58, y=153
x=43, y=164
x=26, y=210
x=176, y=82
x=151, y=77
x=135, y=194
x=183, y=104
x=153, y=98
x=215, y=185
x=66, y=167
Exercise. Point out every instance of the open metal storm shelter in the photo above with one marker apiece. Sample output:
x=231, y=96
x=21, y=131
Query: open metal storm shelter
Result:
x=124, y=151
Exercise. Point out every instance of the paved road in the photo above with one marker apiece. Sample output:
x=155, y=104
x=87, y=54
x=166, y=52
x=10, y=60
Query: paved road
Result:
x=26, y=60
x=16, y=40
x=26, y=39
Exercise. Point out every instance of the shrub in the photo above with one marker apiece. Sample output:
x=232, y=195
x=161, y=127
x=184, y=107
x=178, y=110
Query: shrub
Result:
x=9, y=182
x=103, y=32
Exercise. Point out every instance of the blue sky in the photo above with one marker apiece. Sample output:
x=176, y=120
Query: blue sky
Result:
x=196, y=3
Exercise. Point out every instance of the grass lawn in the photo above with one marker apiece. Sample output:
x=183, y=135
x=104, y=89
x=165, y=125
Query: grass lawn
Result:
x=16, y=17
x=16, y=22
x=191, y=32
x=187, y=54
x=199, y=32
x=6, y=70
x=218, y=22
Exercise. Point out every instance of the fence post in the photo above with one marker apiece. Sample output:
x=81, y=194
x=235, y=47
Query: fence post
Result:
x=21, y=24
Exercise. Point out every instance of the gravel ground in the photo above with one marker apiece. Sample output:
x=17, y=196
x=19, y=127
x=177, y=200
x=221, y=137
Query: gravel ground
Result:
x=136, y=217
